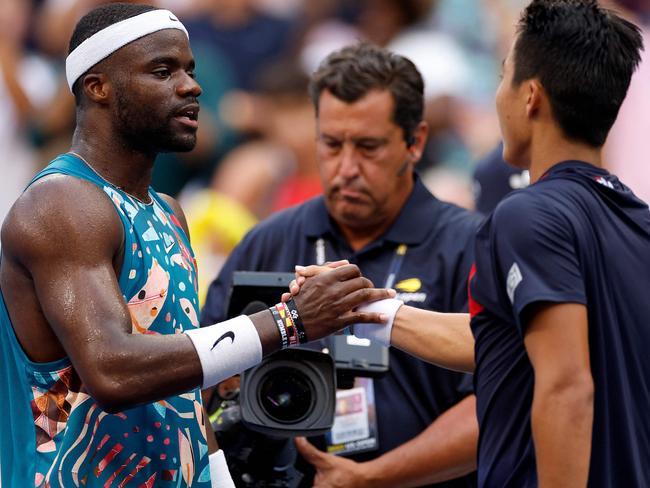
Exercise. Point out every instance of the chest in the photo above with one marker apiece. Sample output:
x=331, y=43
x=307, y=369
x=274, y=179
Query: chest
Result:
x=158, y=277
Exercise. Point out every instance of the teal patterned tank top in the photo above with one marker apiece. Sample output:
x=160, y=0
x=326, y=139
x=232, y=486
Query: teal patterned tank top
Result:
x=52, y=433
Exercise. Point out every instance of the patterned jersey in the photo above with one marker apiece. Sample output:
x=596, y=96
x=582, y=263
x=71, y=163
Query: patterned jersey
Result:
x=52, y=433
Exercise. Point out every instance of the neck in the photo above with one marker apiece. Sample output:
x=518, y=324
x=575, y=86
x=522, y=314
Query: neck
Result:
x=358, y=238
x=114, y=160
x=547, y=151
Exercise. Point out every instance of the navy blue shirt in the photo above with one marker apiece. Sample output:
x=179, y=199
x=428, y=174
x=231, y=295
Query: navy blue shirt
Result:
x=433, y=275
x=576, y=236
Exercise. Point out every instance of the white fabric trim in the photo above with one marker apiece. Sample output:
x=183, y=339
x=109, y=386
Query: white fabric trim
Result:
x=105, y=42
x=226, y=348
x=379, y=333
x=219, y=473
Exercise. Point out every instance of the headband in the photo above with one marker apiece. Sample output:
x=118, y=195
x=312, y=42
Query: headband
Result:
x=105, y=42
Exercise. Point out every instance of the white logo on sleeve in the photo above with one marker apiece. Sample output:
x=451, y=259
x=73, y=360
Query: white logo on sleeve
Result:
x=605, y=182
x=514, y=278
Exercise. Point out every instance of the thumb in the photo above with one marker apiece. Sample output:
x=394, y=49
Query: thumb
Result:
x=309, y=451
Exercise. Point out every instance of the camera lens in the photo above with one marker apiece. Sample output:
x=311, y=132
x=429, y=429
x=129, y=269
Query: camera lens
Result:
x=286, y=395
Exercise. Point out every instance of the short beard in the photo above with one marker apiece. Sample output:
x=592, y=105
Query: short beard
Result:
x=143, y=131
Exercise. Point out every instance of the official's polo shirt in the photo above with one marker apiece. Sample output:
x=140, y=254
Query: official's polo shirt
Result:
x=439, y=239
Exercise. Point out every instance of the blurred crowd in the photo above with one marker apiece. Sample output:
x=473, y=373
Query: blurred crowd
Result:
x=256, y=151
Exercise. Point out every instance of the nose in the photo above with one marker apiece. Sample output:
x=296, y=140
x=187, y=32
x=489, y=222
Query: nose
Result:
x=188, y=86
x=348, y=163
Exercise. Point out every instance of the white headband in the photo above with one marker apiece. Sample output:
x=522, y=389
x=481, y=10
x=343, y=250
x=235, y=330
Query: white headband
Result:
x=105, y=42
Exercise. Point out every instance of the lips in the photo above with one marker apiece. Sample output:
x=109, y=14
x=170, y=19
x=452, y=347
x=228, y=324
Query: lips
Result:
x=188, y=115
x=350, y=194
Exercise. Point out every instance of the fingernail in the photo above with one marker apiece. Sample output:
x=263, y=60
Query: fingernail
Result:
x=299, y=268
x=392, y=293
x=383, y=317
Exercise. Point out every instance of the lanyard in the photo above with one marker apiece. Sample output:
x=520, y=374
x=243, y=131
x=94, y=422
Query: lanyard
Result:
x=393, y=269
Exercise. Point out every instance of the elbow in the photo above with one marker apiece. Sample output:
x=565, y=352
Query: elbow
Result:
x=110, y=388
x=109, y=394
x=575, y=393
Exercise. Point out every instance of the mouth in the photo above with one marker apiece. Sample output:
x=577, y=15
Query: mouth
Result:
x=189, y=116
x=350, y=194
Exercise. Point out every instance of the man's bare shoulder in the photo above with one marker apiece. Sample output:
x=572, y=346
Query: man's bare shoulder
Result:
x=61, y=214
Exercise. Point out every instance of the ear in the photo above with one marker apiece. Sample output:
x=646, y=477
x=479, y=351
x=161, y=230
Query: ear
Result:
x=96, y=87
x=416, y=148
x=535, y=94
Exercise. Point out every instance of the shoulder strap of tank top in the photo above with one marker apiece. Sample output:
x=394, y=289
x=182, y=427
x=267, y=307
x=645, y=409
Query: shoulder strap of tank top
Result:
x=70, y=165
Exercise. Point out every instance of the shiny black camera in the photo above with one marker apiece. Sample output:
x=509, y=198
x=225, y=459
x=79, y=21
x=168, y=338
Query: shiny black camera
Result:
x=292, y=392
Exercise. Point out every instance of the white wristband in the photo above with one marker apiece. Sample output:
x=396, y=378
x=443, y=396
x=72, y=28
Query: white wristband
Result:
x=219, y=473
x=226, y=348
x=378, y=332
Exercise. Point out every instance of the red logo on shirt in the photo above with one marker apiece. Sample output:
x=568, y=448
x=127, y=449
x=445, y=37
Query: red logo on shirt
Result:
x=475, y=307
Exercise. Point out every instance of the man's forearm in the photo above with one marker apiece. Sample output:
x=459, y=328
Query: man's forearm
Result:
x=444, y=450
x=562, y=425
x=444, y=339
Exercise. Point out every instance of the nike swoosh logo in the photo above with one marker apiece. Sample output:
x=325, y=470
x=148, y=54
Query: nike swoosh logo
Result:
x=168, y=248
x=173, y=19
x=227, y=335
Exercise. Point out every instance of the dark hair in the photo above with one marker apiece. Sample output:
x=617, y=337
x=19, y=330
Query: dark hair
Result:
x=584, y=57
x=353, y=71
x=98, y=19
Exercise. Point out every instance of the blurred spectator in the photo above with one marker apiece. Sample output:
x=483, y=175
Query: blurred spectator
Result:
x=494, y=179
x=275, y=170
x=450, y=185
x=232, y=41
x=26, y=85
x=242, y=35
x=280, y=114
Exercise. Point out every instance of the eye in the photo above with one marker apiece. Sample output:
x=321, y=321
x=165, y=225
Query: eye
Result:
x=191, y=74
x=368, y=148
x=332, y=143
x=162, y=72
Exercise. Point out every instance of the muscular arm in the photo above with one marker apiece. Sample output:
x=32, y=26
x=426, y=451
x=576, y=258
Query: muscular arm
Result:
x=562, y=412
x=63, y=237
x=60, y=244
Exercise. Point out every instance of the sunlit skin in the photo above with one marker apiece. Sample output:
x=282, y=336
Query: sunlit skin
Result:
x=65, y=300
x=365, y=164
x=142, y=100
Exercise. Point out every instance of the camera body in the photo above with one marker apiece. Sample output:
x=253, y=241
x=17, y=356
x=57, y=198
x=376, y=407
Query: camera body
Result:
x=252, y=291
x=291, y=392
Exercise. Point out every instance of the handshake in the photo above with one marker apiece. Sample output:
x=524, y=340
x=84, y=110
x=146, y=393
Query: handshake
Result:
x=322, y=300
x=335, y=295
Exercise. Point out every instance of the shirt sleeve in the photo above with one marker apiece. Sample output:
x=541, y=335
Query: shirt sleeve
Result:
x=535, y=254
